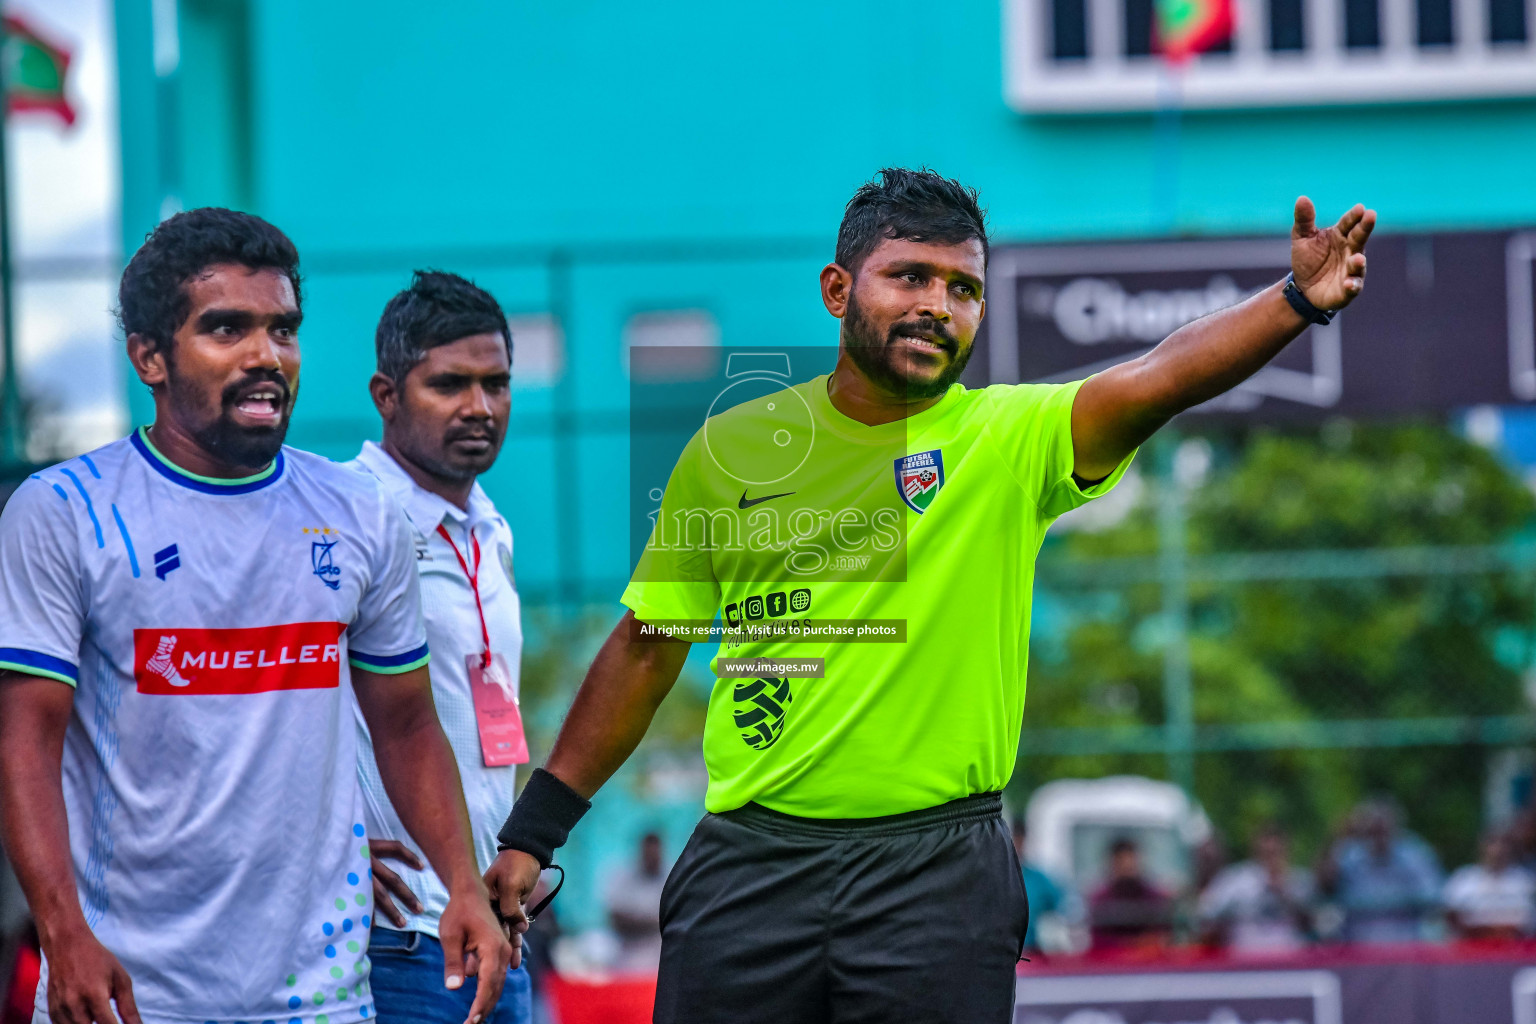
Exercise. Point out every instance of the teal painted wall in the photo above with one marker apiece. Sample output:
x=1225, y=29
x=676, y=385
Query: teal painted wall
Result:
x=394, y=124
x=596, y=159
x=479, y=136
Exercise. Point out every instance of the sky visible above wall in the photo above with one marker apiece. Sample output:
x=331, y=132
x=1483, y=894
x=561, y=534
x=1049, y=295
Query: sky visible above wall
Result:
x=64, y=217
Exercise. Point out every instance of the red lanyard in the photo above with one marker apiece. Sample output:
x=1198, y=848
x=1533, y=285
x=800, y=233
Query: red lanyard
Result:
x=474, y=585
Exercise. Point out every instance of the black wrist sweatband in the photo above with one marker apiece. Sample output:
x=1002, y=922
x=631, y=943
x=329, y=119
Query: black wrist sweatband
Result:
x=542, y=819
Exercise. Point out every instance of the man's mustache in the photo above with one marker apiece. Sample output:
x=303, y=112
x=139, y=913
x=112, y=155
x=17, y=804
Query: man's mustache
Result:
x=251, y=381
x=923, y=327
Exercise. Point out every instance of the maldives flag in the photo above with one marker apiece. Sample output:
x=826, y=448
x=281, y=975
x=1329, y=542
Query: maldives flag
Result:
x=1183, y=28
x=34, y=71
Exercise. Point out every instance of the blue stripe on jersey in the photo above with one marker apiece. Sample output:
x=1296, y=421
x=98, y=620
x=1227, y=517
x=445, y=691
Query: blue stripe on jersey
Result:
x=90, y=466
x=206, y=485
x=56, y=488
x=95, y=896
x=101, y=541
x=133, y=559
x=42, y=662
x=366, y=660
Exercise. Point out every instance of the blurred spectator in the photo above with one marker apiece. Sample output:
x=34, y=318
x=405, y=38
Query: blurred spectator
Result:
x=1494, y=898
x=1262, y=904
x=1129, y=911
x=1054, y=908
x=1384, y=879
x=634, y=908
x=1522, y=837
x=1210, y=857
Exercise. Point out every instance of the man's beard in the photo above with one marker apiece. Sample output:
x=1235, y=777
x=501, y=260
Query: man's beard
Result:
x=236, y=445
x=876, y=359
x=452, y=472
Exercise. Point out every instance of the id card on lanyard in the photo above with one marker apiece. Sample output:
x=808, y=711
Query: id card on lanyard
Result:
x=497, y=716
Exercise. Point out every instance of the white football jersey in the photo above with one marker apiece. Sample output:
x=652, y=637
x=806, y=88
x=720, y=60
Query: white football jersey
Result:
x=215, y=819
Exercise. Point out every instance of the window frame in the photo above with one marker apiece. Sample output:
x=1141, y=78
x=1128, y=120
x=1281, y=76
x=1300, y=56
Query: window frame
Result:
x=1323, y=72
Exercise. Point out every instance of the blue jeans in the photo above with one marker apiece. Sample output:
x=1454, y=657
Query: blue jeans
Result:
x=407, y=984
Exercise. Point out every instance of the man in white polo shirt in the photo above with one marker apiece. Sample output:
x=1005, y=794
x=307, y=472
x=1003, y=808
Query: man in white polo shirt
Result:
x=442, y=389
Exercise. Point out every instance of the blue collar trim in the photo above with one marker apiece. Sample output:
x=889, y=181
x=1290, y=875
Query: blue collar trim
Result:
x=207, y=485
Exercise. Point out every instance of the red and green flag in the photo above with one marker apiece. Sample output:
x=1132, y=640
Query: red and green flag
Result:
x=1183, y=28
x=35, y=71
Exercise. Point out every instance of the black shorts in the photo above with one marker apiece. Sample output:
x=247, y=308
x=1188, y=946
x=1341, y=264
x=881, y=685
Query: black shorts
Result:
x=911, y=918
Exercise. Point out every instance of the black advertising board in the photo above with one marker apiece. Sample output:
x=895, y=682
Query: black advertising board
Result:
x=1446, y=320
x=1407, y=984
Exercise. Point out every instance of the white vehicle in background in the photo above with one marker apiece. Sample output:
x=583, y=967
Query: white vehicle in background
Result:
x=1073, y=822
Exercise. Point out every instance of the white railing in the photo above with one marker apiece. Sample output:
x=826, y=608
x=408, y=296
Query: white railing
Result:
x=1324, y=71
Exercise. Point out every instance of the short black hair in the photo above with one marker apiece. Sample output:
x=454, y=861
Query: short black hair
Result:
x=920, y=206
x=1123, y=844
x=152, y=299
x=438, y=308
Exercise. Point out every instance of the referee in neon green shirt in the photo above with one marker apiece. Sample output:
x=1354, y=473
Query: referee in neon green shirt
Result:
x=854, y=864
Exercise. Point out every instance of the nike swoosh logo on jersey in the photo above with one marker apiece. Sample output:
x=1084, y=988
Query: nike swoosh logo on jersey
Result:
x=747, y=502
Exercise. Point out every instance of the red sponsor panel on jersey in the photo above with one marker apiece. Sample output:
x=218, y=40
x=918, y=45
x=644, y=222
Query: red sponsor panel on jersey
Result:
x=259, y=659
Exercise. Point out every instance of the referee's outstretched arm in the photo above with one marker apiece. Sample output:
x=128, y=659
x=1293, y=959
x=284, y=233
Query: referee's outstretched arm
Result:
x=1113, y=413
x=613, y=708
x=1120, y=408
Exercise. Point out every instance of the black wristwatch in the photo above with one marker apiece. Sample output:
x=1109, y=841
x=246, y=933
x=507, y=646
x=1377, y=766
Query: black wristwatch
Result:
x=1300, y=304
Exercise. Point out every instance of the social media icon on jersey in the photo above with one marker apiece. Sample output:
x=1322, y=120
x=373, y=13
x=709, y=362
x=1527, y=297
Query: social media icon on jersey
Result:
x=753, y=606
x=776, y=604
x=167, y=560
x=800, y=600
x=321, y=557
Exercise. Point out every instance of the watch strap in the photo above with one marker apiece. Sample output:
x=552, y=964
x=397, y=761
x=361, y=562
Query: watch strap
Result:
x=1302, y=306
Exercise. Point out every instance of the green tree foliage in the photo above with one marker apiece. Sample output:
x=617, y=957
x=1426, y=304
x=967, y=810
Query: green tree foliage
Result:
x=558, y=650
x=1393, y=646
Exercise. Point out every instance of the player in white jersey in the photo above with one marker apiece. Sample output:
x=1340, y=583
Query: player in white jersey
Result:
x=186, y=619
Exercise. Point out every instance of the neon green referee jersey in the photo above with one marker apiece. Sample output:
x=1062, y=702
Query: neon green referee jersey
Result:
x=782, y=511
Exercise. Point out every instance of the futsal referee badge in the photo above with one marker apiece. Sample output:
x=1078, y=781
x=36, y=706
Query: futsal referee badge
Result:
x=919, y=477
